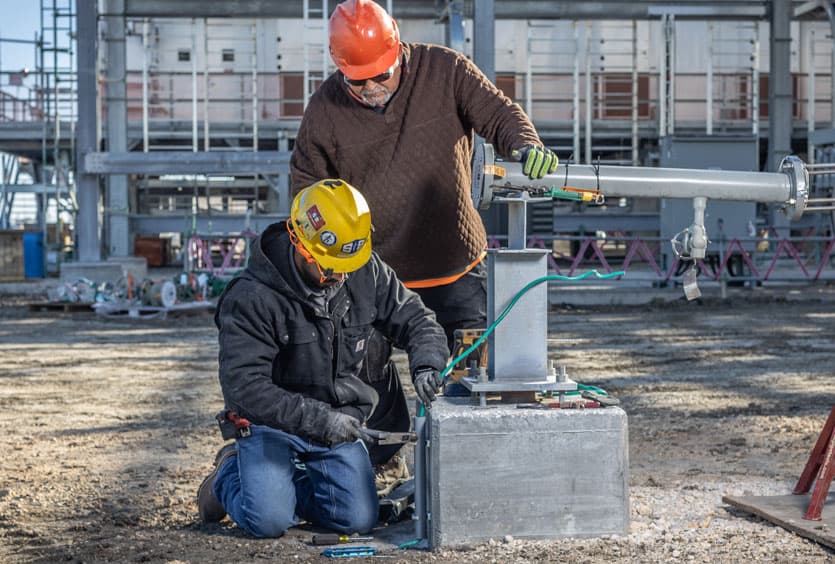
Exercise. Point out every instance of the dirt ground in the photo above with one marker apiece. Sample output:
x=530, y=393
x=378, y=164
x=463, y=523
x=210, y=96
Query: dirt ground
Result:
x=106, y=431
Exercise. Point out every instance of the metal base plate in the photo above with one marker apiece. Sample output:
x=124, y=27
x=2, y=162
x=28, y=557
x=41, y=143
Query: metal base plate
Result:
x=511, y=386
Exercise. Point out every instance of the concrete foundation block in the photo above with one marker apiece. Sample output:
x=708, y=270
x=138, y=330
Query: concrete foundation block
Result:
x=538, y=474
x=135, y=266
x=96, y=271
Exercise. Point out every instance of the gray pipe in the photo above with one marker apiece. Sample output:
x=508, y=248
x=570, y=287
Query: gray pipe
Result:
x=420, y=474
x=789, y=186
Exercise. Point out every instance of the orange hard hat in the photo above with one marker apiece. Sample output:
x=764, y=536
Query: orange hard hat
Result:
x=364, y=40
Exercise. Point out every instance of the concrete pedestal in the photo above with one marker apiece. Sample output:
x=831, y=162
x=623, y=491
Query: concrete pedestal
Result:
x=96, y=271
x=540, y=474
x=110, y=270
x=137, y=267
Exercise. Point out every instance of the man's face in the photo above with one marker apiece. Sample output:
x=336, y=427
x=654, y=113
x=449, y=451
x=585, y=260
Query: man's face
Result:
x=377, y=91
x=313, y=275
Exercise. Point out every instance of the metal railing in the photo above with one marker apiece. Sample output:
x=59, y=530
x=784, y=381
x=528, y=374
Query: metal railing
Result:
x=760, y=259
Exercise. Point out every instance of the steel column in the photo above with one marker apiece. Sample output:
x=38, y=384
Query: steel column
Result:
x=87, y=185
x=118, y=235
x=454, y=29
x=484, y=37
x=779, y=84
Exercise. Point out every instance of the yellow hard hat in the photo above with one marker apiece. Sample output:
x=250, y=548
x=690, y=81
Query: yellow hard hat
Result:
x=332, y=222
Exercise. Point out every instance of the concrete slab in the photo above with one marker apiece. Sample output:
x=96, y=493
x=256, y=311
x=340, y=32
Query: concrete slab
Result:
x=539, y=474
x=95, y=271
x=135, y=266
x=787, y=511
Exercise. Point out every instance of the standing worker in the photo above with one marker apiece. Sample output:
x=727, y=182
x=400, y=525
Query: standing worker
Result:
x=397, y=120
x=293, y=335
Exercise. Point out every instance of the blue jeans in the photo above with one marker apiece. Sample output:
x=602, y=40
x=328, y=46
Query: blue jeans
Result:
x=278, y=479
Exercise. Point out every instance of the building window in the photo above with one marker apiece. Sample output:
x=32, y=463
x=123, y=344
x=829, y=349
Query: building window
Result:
x=184, y=55
x=228, y=56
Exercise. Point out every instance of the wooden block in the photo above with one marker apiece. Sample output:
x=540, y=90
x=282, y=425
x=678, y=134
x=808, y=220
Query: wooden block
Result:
x=787, y=511
x=65, y=307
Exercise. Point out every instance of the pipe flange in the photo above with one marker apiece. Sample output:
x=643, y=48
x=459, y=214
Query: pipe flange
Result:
x=481, y=190
x=798, y=175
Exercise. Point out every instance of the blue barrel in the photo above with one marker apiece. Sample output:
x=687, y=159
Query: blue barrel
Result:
x=33, y=254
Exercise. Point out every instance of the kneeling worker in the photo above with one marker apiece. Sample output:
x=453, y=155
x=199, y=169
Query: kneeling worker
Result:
x=293, y=333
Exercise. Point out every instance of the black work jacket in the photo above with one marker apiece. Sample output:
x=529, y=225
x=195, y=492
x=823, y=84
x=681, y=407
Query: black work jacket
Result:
x=286, y=362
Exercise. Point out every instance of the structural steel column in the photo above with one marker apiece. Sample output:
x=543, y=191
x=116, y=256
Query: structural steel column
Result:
x=779, y=83
x=484, y=56
x=118, y=235
x=87, y=185
x=484, y=37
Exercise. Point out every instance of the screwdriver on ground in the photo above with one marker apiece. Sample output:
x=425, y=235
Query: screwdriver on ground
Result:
x=321, y=540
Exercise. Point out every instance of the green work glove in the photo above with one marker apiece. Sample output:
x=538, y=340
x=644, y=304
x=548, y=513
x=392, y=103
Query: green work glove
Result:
x=537, y=161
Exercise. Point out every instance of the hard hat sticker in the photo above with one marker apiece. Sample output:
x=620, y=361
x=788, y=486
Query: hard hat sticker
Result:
x=353, y=246
x=316, y=219
x=328, y=238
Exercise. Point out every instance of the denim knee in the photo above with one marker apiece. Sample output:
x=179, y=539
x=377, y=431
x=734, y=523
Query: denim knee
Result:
x=357, y=519
x=269, y=524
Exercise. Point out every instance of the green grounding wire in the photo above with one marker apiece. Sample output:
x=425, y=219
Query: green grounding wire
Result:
x=474, y=346
x=516, y=298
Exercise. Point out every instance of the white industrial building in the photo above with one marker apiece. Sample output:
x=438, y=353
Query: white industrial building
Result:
x=612, y=82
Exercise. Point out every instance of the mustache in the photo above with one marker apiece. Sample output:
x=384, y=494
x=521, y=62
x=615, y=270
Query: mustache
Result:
x=375, y=91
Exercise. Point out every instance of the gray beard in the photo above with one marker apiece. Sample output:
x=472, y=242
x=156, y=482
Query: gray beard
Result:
x=368, y=101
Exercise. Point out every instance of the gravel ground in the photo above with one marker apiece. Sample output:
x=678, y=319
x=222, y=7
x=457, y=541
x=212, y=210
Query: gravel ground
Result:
x=107, y=430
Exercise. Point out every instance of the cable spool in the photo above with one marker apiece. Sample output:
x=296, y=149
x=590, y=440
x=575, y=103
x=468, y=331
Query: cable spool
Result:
x=159, y=293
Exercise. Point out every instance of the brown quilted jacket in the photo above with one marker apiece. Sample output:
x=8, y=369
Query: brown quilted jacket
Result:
x=412, y=161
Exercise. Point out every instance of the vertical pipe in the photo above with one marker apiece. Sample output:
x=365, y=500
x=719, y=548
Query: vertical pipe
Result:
x=283, y=179
x=634, y=93
x=589, y=95
x=325, y=40
x=755, y=87
x=421, y=485
x=575, y=102
x=255, y=86
x=305, y=52
x=87, y=184
x=709, y=81
x=206, y=143
x=529, y=74
x=194, y=140
x=145, y=85
x=810, y=91
x=671, y=68
x=662, y=80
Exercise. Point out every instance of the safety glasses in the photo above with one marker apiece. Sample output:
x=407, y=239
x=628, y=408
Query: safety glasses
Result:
x=380, y=78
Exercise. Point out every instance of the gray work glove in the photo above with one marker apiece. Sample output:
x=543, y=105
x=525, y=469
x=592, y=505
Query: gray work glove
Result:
x=341, y=428
x=427, y=381
x=537, y=161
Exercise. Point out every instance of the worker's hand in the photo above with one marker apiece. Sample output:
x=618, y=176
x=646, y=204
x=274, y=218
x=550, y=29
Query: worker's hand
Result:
x=537, y=161
x=341, y=428
x=427, y=381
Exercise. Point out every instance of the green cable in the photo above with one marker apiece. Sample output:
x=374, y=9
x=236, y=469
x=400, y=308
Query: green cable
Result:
x=516, y=298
